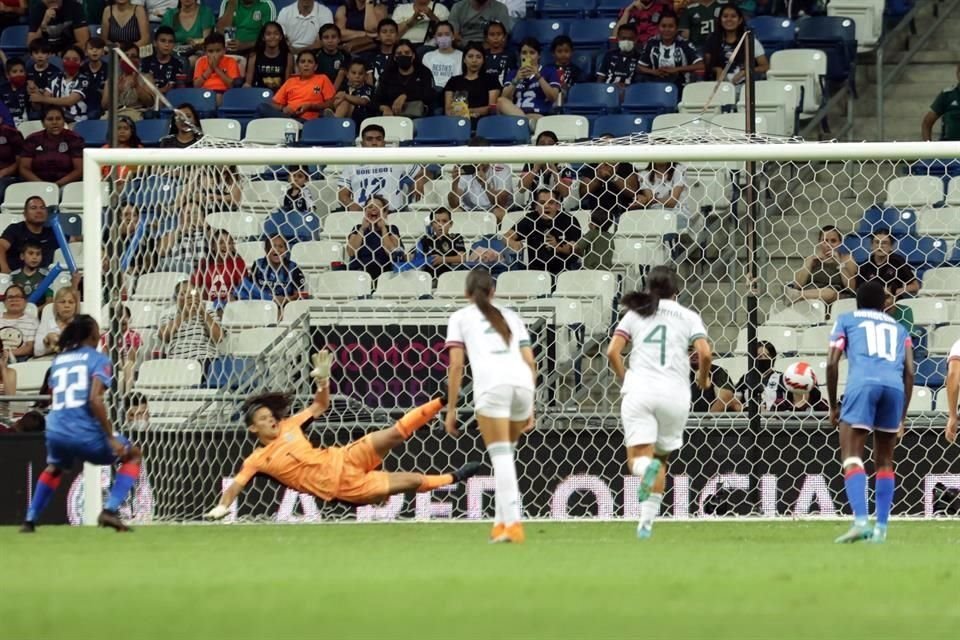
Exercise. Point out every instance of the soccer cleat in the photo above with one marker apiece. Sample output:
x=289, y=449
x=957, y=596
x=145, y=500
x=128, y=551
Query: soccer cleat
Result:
x=644, y=532
x=879, y=535
x=112, y=520
x=646, y=482
x=497, y=531
x=466, y=471
x=856, y=533
x=28, y=527
x=511, y=533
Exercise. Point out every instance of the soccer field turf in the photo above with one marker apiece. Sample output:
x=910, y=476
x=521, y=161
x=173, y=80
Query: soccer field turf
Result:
x=587, y=580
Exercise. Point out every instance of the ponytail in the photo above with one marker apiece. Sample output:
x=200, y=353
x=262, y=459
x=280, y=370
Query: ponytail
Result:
x=661, y=283
x=643, y=303
x=480, y=289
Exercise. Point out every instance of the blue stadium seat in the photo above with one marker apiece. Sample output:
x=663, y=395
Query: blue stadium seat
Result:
x=619, y=125
x=650, y=98
x=592, y=98
x=543, y=30
x=230, y=372
x=936, y=167
x=150, y=131
x=243, y=102
x=585, y=59
x=932, y=372
x=593, y=32
x=203, y=100
x=857, y=246
x=504, y=130
x=292, y=225
x=13, y=40
x=774, y=33
x=923, y=252
x=446, y=131
x=899, y=222
x=836, y=37
x=152, y=191
x=565, y=8
x=93, y=132
x=328, y=132
x=72, y=224
x=610, y=8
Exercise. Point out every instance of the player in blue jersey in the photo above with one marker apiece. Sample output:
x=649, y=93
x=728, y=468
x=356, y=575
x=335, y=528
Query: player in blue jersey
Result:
x=879, y=381
x=78, y=426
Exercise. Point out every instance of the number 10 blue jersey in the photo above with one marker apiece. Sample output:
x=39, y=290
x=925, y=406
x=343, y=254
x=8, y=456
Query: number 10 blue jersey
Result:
x=71, y=380
x=876, y=346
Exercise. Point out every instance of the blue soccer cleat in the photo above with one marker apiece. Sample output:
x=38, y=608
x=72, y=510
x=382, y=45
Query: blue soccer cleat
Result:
x=879, y=535
x=856, y=533
x=646, y=482
x=644, y=532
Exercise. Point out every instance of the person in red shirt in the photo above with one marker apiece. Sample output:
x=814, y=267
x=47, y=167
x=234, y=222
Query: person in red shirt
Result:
x=54, y=154
x=221, y=271
x=216, y=71
x=305, y=96
x=645, y=14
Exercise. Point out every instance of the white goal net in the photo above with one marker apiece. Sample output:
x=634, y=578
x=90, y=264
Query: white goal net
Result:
x=227, y=264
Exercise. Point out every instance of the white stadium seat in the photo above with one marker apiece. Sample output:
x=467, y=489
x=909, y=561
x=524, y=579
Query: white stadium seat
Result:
x=144, y=315
x=408, y=284
x=779, y=102
x=943, y=339
x=249, y=313
x=271, y=130
x=647, y=223
x=339, y=284
x=338, y=225
x=17, y=193
x=524, y=284
x=799, y=314
x=264, y=195
x=567, y=128
x=223, y=128
x=29, y=126
x=687, y=122
x=953, y=192
x=929, y=311
x=159, y=286
x=596, y=290
x=803, y=67
x=412, y=225
x=867, y=16
x=921, y=400
x=940, y=400
x=251, y=342
x=398, y=128
x=699, y=97
x=76, y=250
x=942, y=281
x=842, y=306
x=785, y=339
x=250, y=251
x=473, y=224
x=451, y=284
x=169, y=373
x=815, y=340
x=510, y=220
x=914, y=191
x=943, y=222
x=730, y=122
x=315, y=255
x=30, y=375
x=735, y=367
x=238, y=224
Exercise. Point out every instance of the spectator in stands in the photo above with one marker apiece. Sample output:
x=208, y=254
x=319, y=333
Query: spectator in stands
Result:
x=184, y=128
x=69, y=90
x=353, y=100
x=191, y=23
x=557, y=177
x=66, y=305
x=469, y=17
x=156, y=9
x=166, y=70
x=764, y=384
x=358, y=183
x=137, y=415
x=372, y=243
x=60, y=23
x=271, y=63
x=530, y=90
x=644, y=14
x=184, y=243
x=275, y=276
x=500, y=59
x=803, y=402
x=332, y=61
x=221, y=270
x=668, y=57
x=718, y=52
x=358, y=20
x=663, y=185
x=134, y=96
x=119, y=239
x=11, y=146
x=124, y=21
x=301, y=22
x=388, y=36
x=211, y=192
x=548, y=234
x=698, y=22
x=417, y=20
x=472, y=94
x=246, y=18
x=595, y=248
x=886, y=265
x=406, y=87
x=444, y=62
x=188, y=330
x=304, y=96
x=482, y=187
x=13, y=91
x=619, y=65
x=444, y=251
x=567, y=73
x=899, y=312
x=41, y=73
x=96, y=69
x=54, y=154
x=11, y=12
x=719, y=398
x=31, y=272
x=129, y=347
x=829, y=274
x=18, y=329
x=298, y=197
x=216, y=71
x=609, y=187
x=33, y=228
x=947, y=106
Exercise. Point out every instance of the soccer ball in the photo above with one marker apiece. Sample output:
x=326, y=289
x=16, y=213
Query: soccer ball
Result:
x=800, y=376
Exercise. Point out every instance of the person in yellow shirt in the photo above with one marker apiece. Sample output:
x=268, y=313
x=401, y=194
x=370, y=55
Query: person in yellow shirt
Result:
x=335, y=473
x=215, y=70
x=305, y=96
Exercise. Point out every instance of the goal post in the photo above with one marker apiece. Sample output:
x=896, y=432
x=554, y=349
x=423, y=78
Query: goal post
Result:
x=387, y=333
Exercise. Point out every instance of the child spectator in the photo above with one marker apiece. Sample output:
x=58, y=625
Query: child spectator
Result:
x=270, y=64
x=18, y=329
x=668, y=57
x=445, y=62
x=619, y=66
x=70, y=90
x=568, y=73
x=221, y=270
x=499, y=59
x=595, y=248
x=166, y=70
x=215, y=70
x=275, y=276
x=298, y=197
x=530, y=90
x=443, y=250
x=354, y=100
x=13, y=92
x=303, y=96
x=30, y=274
x=331, y=60
x=41, y=73
x=644, y=14
x=95, y=69
x=387, y=34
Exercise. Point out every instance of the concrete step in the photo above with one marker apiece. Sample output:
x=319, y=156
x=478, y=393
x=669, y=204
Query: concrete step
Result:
x=895, y=129
x=930, y=75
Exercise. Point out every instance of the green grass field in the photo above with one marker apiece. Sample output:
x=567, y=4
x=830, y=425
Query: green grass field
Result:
x=585, y=580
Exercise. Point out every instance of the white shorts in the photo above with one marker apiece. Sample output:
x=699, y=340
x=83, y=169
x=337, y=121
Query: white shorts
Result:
x=505, y=401
x=654, y=418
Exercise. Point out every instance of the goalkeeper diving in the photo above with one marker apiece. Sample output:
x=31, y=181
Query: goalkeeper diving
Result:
x=341, y=473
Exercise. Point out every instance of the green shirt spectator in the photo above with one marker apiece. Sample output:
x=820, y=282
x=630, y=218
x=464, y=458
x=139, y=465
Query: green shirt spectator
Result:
x=903, y=315
x=946, y=106
x=248, y=17
x=698, y=21
x=196, y=32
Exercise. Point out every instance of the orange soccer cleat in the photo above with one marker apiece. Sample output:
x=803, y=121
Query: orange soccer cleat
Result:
x=497, y=531
x=510, y=533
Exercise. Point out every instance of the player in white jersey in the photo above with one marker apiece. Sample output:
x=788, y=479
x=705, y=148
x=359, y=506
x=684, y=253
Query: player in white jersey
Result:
x=656, y=387
x=504, y=379
x=953, y=390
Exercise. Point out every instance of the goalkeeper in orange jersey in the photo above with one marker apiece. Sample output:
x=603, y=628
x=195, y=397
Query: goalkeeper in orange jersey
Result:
x=342, y=473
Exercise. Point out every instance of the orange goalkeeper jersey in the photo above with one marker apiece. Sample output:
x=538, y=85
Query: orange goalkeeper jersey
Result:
x=293, y=461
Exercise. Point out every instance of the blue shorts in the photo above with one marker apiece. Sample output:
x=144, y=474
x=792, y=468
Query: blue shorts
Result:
x=62, y=452
x=873, y=406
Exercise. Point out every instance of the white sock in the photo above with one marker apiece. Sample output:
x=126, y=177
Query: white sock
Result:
x=505, y=475
x=650, y=509
x=640, y=465
x=513, y=454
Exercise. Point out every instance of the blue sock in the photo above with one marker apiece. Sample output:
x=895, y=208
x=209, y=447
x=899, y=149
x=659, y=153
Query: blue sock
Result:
x=122, y=484
x=885, y=484
x=855, y=482
x=46, y=486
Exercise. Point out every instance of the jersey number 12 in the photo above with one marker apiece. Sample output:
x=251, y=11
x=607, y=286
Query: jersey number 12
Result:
x=881, y=339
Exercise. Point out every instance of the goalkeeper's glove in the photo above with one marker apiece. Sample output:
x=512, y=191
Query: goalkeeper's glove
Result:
x=322, y=362
x=217, y=513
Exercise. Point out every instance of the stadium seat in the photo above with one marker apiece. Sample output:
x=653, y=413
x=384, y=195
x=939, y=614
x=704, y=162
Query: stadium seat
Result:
x=203, y=100
x=143, y=315
x=13, y=40
x=735, y=367
x=271, y=130
x=780, y=102
x=264, y=195
x=923, y=252
x=940, y=401
x=939, y=221
x=407, y=285
x=931, y=372
x=71, y=197
x=250, y=251
x=914, y=191
x=592, y=32
x=230, y=372
x=223, y=128
x=941, y=281
x=328, y=132
x=544, y=31
x=93, y=132
x=72, y=225
x=681, y=123
x=30, y=375
x=842, y=306
x=609, y=8
x=646, y=223
x=706, y=97
x=451, y=284
x=169, y=373
x=441, y=131
x=836, y=37
x=294, y=310
x=620, y=125
x=240, y=314
x=650, y=98
x=921, y=401
x=338, y=225
x=596, y=289
x=524, y=284
x=929, y=311
x=240, y=226
x=510, y=220
x=150, y=131
x=804, y=67
x=953, y=191
x=292, y=225
x=76, y=250
x=815, y=340
x=29, y=126
x=17, y=193
x=943, y=339
x=399, y=129
x=159, y=286
x=7, y=219
x=412, y=225
x=567, y=128
x=473, y=224
x=731, y=122
x=774, y=33
x=243, y=102
x=785, y=339
x=592, y=98
x=635, y=252
x=867, y=16
x=586, y=59
x=799, y=314
x=252, y=342
x=504, y=130
x=900, y=222
x=565, y=8
x=339, y=284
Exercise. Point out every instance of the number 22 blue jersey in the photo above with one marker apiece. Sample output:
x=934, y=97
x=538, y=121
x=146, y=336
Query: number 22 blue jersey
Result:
x=876, y=346
x=71, y=381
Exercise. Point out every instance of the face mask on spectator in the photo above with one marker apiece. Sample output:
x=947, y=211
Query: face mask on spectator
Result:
x=72, y=66
x=18, y=82
x=404, y=62
x=625, y=45
x=444, y=42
